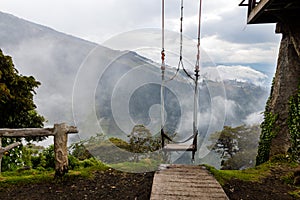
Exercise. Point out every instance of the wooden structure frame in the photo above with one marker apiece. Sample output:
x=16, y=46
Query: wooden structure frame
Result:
x=60, y=133
x=272, y=11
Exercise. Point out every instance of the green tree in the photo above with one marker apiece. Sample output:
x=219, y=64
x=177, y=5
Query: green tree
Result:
x=141, y=141
x=79, y=151
x=16, y=106
x=237, y=146
x=108, y=150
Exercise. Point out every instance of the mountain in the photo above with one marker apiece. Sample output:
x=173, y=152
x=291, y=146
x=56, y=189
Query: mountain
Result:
x=51, y=57
x=105, y=90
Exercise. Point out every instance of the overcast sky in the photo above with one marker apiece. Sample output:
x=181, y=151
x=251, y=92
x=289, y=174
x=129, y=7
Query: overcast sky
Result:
x=225, y=36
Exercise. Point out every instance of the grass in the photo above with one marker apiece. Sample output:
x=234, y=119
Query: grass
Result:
x=223, y=176
x=34, y=176
x=255, y=174
x=84, y=169
x=295, y=193
x=141, y=166
x=25, y=177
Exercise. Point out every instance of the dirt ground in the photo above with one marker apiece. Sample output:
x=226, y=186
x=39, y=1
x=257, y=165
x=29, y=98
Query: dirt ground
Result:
x=271, y=188
x=108, y=185
x=114, y=185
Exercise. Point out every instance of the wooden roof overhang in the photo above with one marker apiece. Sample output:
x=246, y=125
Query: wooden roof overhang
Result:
x=272, y=11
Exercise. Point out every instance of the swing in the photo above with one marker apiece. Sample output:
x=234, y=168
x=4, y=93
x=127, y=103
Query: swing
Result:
x=180, y=146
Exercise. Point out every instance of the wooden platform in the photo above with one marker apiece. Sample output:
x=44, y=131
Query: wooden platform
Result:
x=175, y=182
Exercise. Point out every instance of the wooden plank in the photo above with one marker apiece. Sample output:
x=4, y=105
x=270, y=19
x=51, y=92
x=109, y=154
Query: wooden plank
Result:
x=178, y=147
x=185, y=182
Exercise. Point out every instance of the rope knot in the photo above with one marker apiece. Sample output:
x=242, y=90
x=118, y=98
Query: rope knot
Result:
x=163, y=55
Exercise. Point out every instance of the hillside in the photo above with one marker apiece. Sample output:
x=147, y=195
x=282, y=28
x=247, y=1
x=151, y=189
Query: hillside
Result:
x=86, y=83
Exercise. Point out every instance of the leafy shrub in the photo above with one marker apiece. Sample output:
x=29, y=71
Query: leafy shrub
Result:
x=90, y=162
x=35, y=160
x=79, y=151
x=45, y=159
x=268, y=132
x=73, y=162
x=294, y=126
x=49, y=157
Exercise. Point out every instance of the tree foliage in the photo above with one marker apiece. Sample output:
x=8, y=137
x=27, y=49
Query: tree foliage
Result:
x=141, y=141
x=112, y=150
x=237, y=146
x=16, y=106
x=115, y=150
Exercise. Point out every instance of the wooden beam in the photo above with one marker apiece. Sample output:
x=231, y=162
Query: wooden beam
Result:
x=72, y=129
x=33, y=132
x=9, y=147
x=258, y=10
x=26, y=132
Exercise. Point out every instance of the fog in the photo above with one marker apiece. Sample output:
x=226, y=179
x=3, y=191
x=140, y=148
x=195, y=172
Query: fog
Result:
x=90, y=85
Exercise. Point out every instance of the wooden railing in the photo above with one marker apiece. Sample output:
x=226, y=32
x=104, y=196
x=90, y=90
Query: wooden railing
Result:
x=60, y=133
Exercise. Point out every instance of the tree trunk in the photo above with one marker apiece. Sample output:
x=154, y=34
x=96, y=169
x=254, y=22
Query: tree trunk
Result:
x=286, y=84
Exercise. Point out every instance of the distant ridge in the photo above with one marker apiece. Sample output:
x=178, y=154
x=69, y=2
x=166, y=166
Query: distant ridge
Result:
x=13, y=25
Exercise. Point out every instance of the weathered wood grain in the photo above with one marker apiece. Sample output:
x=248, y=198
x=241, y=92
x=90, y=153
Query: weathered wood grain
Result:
x=185, y=182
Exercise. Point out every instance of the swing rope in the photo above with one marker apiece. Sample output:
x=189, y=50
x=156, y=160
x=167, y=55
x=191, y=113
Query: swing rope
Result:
x=163, y=68
x=181, y=44
x=197, y=70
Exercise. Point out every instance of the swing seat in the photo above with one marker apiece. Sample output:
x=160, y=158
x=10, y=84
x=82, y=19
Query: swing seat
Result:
x=179, y=147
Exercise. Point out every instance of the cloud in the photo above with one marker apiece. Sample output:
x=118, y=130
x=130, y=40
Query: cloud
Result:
x=98, y=20
x=223, y=51
x=254, y=118
x=238, y=73
x=225, y=36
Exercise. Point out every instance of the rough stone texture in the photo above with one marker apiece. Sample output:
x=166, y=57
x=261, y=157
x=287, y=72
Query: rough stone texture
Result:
x=185, y=182
x=286, y=83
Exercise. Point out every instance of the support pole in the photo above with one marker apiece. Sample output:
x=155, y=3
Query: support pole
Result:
x=60, y=147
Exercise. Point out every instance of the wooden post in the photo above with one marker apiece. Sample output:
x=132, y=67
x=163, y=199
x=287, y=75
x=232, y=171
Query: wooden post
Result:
x=60, y=133
x=60, y=147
